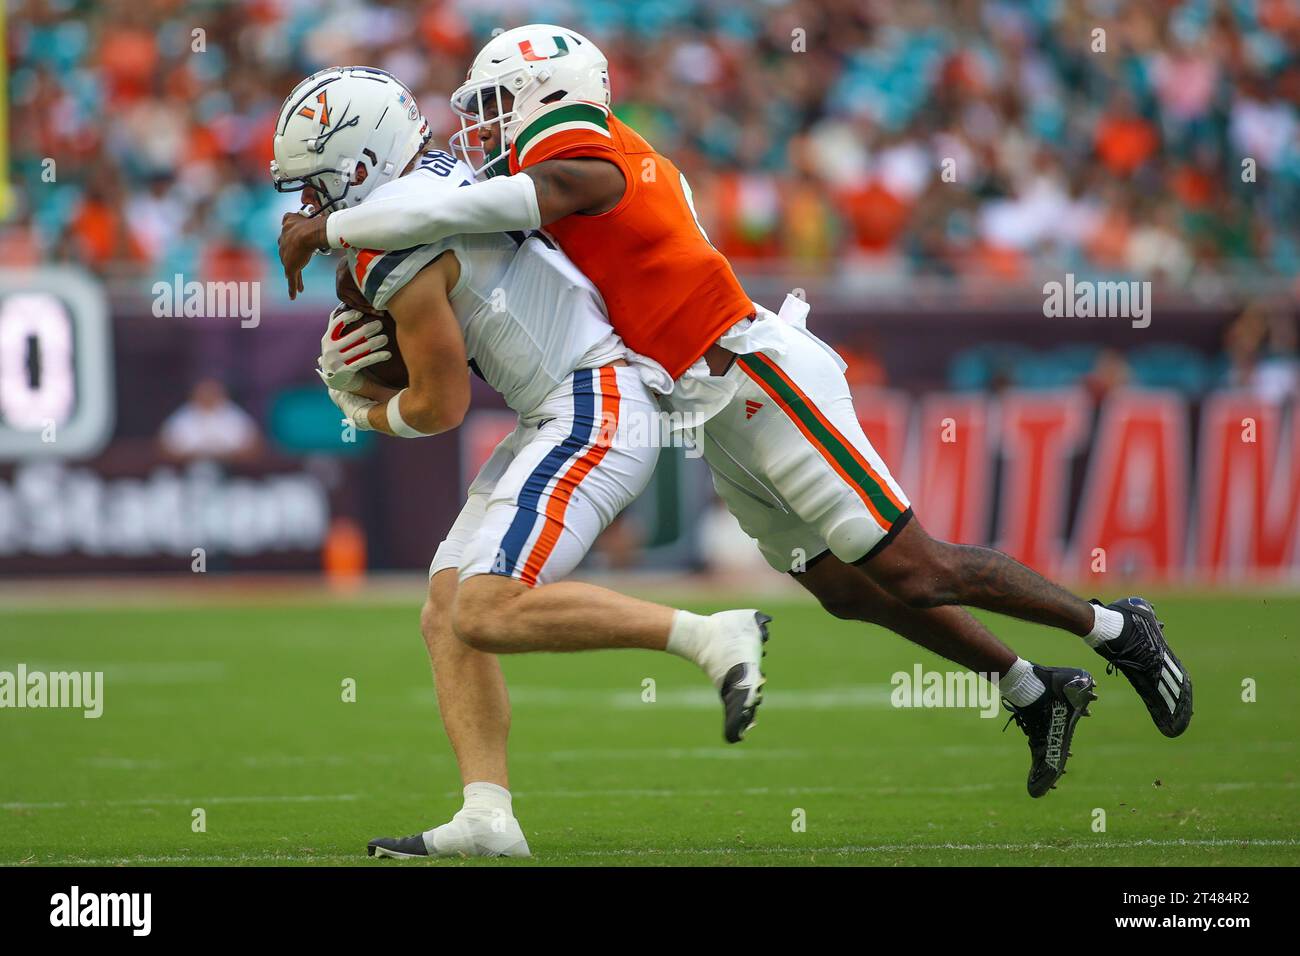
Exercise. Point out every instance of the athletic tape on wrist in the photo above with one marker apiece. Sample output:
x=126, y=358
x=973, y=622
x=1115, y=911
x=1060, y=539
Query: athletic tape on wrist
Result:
x=396, y=423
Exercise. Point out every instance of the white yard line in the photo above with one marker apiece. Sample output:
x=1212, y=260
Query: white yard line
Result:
x=773, y=851
x=181, y=801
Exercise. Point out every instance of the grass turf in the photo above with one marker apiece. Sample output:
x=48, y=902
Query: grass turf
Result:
x=237, y=710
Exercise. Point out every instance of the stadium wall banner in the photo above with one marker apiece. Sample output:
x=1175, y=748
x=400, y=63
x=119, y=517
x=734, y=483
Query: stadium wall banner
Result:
x=134, y=512
x=1145, y=485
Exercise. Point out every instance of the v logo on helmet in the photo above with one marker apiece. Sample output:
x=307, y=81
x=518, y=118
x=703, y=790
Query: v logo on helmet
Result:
x=561, y=49
x=310, y=113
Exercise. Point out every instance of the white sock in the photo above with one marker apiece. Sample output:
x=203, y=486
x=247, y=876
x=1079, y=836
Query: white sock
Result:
x=1106, y=626
x=481, y=800
x=484, y=826
x=1020, y=684
x=689, y=636
x=487, y=797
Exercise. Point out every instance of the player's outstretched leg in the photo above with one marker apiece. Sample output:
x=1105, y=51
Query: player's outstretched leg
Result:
x=1140, y=652
x=1034, y=692
x=500, y=615
x=924, y=572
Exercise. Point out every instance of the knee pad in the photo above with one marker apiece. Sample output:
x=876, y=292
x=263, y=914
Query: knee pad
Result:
x=851, y=538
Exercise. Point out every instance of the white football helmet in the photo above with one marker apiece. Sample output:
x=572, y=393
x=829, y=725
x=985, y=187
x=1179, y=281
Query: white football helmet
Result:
x=535, y=65
x=338, y=120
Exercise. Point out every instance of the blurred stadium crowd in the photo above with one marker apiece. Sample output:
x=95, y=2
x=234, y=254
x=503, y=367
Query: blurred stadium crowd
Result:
x=813, y=131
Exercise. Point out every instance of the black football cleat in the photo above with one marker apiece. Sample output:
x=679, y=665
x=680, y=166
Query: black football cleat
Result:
x=399, y=848
x=742, y=687
x=1049, y=722
x=1142, y=655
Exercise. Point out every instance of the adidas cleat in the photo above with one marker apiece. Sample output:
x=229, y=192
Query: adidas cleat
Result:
x=1142, y=655
x=1049, y=722
x=741, y=689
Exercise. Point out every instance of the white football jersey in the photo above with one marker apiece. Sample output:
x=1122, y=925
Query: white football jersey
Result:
x=529, y=316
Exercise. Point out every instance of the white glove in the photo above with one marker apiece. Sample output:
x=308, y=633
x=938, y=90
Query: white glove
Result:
x=354, y=408
x=345, y=352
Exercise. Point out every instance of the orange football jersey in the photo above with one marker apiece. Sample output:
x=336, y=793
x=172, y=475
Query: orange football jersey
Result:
x=670, y=294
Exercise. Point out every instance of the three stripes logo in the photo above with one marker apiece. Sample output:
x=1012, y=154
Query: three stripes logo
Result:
x=1171, y=683
x=751, y=407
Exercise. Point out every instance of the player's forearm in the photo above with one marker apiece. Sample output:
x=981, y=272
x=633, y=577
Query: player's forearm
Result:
x=369, y=388
x=407, y=415
x=377, y=419
x=497, y=205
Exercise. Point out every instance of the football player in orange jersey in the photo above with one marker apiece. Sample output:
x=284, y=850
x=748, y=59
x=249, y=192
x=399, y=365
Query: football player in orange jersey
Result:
x=780, y=434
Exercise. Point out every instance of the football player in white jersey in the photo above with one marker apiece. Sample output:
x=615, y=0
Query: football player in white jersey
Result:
x=515, y=310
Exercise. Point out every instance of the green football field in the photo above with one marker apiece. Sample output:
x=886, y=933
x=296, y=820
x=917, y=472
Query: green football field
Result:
x=236, y=708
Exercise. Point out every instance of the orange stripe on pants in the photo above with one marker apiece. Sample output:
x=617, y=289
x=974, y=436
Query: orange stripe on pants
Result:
x=558, y=501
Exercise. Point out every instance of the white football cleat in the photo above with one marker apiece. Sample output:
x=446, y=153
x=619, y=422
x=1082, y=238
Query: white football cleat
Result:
x=733, y=661
x=468, y=833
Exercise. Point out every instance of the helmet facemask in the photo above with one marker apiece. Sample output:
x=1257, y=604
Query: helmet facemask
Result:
x=331, y=186
x=480, y=108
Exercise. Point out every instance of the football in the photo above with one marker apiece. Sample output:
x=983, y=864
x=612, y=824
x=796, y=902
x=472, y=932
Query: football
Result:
x=392, y=372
